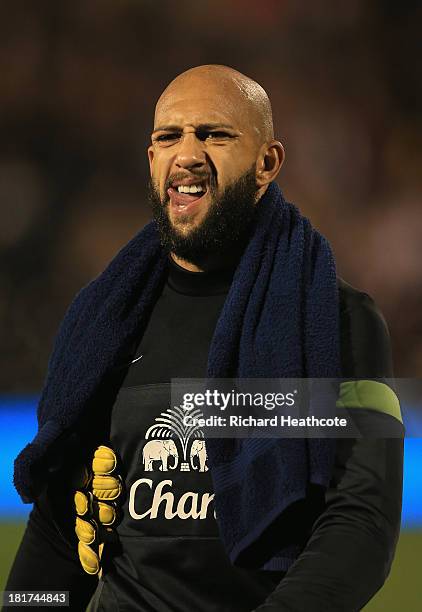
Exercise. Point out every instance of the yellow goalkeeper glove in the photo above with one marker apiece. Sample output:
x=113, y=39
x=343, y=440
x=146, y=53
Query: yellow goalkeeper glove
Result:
x=96, y=508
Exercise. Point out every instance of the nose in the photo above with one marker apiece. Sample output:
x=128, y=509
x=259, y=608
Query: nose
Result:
x=190, y=153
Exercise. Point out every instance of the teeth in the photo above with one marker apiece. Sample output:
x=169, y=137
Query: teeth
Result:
x=189, y=188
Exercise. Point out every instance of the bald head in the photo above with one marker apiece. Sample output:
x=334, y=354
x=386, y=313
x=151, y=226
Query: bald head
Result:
x=241, y=94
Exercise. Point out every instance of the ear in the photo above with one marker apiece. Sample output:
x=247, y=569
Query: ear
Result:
x=269, y=162
x=150, y=152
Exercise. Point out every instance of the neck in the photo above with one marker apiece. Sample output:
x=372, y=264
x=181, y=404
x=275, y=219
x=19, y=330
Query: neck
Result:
x=187, y=265
x=228, y=259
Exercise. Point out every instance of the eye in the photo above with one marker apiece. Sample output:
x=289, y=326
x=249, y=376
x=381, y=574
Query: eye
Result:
x=216, y=135
x=167, y=137
x=220, y=134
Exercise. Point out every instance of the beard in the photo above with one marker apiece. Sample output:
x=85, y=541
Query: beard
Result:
x=222, y=234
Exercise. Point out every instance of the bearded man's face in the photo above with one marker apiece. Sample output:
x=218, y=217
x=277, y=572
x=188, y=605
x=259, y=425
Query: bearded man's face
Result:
x=203, y=164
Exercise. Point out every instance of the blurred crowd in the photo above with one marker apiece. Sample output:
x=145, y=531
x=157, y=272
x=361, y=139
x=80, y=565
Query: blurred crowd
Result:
x=78, y=85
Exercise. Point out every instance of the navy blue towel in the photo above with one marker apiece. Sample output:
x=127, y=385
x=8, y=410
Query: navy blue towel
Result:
x=279, y=320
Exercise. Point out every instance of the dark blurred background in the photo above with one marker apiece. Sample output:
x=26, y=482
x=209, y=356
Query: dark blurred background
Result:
x=78, y=85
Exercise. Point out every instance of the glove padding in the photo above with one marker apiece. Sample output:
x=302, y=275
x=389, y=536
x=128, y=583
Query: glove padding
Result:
x=96, y=507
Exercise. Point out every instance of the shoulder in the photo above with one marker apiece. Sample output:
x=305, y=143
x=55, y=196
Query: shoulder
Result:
x=359, y=307
x=364, y=336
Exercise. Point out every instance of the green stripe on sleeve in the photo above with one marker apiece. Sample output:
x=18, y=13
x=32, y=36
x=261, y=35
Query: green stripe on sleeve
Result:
x=371, y=395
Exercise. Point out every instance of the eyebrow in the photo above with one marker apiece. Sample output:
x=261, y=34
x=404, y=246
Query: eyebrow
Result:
x=201, y=127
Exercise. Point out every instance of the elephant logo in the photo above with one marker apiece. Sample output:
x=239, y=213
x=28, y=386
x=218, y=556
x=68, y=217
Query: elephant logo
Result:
x=198, y=450
x=160, y=450
x=160, y=445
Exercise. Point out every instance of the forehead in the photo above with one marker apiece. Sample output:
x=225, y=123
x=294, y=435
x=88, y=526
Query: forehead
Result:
x=199, y=103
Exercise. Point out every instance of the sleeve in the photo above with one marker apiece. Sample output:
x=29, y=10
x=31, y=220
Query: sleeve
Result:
x=349, y=553
x=47, y=558
x=46, y=562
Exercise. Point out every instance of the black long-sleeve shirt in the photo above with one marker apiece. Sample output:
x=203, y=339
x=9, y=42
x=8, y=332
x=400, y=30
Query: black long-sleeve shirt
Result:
x=180, y=565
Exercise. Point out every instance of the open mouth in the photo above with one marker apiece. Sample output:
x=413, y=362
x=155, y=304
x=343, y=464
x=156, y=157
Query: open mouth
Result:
x=184, y=197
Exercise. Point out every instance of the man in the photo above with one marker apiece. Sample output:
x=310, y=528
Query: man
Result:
x=238, y=284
